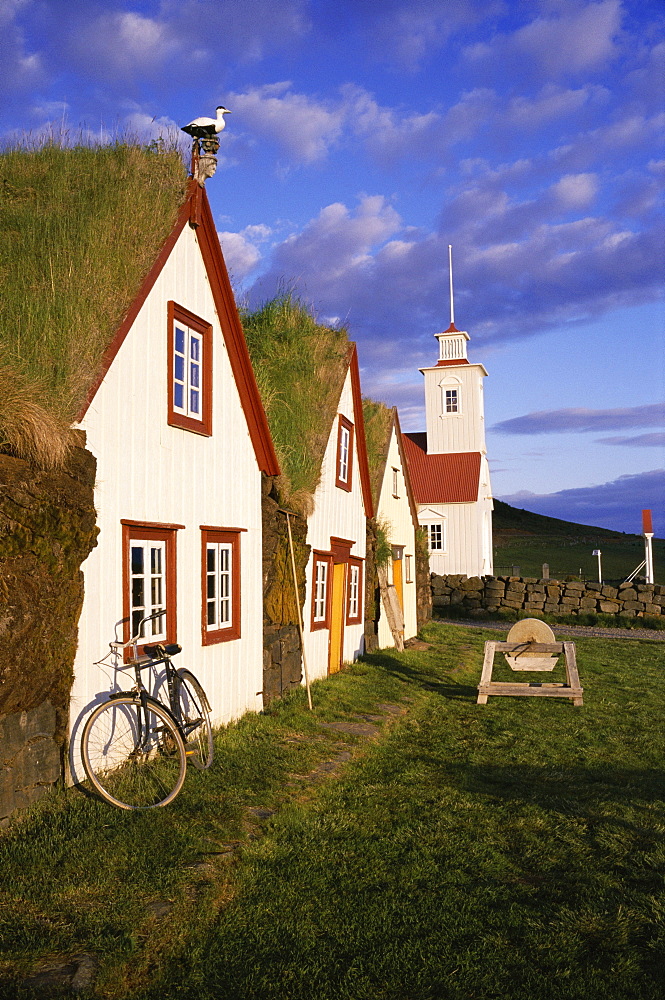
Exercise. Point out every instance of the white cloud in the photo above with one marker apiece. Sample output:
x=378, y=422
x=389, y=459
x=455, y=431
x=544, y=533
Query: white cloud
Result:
x=242, y=250
x=301, y=127
x=575, y=190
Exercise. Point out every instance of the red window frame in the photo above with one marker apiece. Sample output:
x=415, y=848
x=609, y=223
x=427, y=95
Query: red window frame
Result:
x=354, y=561
x=325, y=558
x=149, y=531
x=224, y=536
x=178, y=314
x=344, y=484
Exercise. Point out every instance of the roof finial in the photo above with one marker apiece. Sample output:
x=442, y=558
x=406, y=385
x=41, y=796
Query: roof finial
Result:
x=450, y=271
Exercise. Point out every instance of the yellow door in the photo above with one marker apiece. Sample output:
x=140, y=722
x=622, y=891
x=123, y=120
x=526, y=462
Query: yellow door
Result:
x=397, y=576
x=337, y=617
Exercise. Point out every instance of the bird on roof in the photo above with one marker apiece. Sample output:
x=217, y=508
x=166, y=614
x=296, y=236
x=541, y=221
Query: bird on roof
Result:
x=203, y=128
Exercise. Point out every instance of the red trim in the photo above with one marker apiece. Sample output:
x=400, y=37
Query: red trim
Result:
x=361, y=444
x=340, y=549
x=159, y=533
x=344, y=484
x=234, y=338
x=178, y=314
x=451, y=329
x=323, y=557
x=354, y=561
x=458, y=361
x=151, y=524
x=196, y=202
x=212, y=527
x=229, y=536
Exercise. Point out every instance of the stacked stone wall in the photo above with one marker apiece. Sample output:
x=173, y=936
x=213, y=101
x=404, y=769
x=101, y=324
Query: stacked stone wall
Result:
x=556, y=597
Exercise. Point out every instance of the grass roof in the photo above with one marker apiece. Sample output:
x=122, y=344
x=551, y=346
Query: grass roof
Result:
x=300, y=366
x=79, y=230
x=378, y=421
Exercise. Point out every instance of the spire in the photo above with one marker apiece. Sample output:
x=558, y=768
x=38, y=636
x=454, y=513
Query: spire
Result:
x=452, y=328
x=452, y=349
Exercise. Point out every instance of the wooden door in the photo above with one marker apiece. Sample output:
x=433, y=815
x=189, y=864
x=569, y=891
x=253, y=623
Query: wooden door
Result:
x=337, y=617
x=398, y=579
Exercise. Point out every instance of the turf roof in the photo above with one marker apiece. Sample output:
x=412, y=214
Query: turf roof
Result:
x=80, y=228
x=300, y=366
x=378, y=420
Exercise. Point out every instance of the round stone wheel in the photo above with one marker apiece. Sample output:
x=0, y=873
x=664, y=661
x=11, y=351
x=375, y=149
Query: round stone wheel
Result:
x=526, y=631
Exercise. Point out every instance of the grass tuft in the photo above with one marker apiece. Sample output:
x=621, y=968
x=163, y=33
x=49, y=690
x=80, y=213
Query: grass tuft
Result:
x=300, y=366
x=80, y=228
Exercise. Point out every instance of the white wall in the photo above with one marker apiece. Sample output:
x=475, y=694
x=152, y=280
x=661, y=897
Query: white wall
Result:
x=150, y=471
x=339, y=514
x=396, y=511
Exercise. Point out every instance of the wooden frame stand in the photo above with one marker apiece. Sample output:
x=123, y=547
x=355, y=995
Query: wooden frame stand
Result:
x=571, y=689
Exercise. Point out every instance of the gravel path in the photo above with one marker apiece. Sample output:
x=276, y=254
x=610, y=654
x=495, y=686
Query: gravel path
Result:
x=583, y=631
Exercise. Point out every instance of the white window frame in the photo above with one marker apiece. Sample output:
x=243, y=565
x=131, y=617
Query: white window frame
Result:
x=220, y=594
x=408, y=570
x=440, y=527
x=451, y=406
x=344, y=447
x=152, y=579
x=354, y=590
x=320, y=597
x=191, y=380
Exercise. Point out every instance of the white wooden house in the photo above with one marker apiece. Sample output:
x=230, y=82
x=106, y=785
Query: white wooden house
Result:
x=176, y=424
x=334, y=614
x=448, y=463
x=396, y=510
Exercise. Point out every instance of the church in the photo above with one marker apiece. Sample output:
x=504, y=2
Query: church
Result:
x=448, y=462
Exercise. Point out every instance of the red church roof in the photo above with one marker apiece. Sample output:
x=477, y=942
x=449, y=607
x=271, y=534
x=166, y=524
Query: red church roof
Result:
x=452, y=478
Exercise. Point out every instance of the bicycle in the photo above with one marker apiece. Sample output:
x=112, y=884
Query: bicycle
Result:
x=134, y=747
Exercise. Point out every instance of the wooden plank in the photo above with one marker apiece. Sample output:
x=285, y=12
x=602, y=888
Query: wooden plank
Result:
x=486, y=675
x=529, y=647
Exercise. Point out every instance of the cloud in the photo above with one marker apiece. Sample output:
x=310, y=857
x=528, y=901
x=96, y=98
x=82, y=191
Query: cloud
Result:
x=582, y=419
x=332, y=249
x=579, y=39
x=241, y=250
x=616, y=505
x=21, y=68
x=301, y=127
x=654, y=440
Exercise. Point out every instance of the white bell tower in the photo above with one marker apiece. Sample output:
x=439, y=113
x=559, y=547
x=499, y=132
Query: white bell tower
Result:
x=454, y=404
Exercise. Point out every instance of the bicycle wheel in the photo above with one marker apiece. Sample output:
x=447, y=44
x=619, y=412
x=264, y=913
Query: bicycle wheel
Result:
x=134, y=758
x=194, y=719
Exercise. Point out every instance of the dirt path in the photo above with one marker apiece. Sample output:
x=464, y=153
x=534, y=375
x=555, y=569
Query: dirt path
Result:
x=583, y=631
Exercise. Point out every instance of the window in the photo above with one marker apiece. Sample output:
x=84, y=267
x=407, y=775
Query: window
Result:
x=190, y=371
x=395, y=483
x=221, y=584
x=451, y=395
x=320, y=590
x=436, y=537
x=354, y=610
x=149, y=579
x=451, y=401
x=344, y=454
x=408, y=567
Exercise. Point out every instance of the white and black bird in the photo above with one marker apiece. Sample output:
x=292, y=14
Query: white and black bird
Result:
x=205, y=128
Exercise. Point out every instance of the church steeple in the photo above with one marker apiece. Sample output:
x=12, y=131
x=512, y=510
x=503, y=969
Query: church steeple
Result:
x=454, y=397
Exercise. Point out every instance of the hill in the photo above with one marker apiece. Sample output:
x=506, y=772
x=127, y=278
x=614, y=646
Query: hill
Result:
x=528, y=540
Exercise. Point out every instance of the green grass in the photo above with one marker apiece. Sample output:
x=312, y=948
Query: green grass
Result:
x=511, y=850
x=528, y=540
x=300, y=366
x=80, y=228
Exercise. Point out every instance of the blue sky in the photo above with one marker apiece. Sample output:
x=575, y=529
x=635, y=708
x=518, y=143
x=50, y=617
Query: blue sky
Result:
x=365, y=137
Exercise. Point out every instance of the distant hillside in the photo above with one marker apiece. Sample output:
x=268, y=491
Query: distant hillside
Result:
x=528, y=540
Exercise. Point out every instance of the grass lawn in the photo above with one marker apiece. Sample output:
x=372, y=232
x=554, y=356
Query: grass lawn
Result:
x=511, y=851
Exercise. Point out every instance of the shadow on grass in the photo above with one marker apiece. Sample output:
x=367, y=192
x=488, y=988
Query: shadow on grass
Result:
x=423, y=678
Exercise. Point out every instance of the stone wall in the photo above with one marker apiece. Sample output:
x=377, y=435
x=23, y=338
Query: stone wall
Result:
x=47, y=528
x=282, y=649
x=555, y=597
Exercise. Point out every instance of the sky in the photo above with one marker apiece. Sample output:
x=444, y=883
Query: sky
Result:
x=366, y=136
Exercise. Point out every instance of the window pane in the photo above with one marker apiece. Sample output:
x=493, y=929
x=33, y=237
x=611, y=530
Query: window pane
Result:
x=194, y=401
x=179, y=369
x=210, y=558
x=136, y=618
x=194, y=376
x=178, y=396
x=156, y=560
x=211, y=613
x=211, y=586
x=156, y=591
x=195, y=349
x=137, y=592
x=179, y=340
x=137, y=559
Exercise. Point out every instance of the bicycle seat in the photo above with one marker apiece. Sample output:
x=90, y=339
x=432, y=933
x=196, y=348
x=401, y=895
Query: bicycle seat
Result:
x=158, y=651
